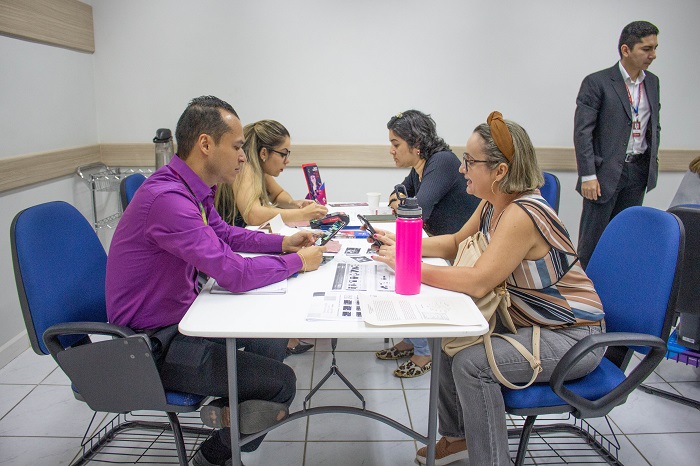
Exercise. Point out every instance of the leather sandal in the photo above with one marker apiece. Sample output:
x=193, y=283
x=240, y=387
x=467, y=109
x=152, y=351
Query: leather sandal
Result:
x=393, y=353
x=410, y=369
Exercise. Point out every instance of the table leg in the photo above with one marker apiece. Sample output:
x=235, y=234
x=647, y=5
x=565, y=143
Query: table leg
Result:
x=435, y=349
x=232, y=368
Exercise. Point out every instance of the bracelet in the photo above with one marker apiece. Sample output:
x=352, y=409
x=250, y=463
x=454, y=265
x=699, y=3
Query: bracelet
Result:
x=303, y=261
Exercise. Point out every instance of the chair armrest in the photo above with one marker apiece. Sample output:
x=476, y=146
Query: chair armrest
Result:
x=52, y=334
x=603, y=405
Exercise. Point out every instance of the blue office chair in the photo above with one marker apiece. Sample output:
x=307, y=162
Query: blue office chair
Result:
x=128, y=187
x=551, y=190
x=60, y=267
x=635, y=269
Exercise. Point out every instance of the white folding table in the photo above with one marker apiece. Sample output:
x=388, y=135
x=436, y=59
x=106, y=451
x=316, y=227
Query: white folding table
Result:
x=232, y=316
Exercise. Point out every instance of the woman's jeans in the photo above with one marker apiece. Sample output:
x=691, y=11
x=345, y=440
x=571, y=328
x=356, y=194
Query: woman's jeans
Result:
x=470, y=400
x=420, y=346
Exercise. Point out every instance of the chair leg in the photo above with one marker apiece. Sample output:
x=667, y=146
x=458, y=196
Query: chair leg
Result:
x=179, y=440
x=524, y=439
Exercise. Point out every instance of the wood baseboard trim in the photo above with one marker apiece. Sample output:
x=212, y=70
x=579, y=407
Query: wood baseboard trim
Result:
x=24, y=170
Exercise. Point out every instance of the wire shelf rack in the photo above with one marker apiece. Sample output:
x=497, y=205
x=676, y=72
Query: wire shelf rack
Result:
x=140, y=438
x=565, y=441
x=101, y=178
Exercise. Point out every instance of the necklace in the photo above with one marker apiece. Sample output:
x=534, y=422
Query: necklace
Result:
x=493, y=224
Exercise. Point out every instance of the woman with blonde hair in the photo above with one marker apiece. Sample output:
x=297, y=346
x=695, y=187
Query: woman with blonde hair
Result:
x=255, y=196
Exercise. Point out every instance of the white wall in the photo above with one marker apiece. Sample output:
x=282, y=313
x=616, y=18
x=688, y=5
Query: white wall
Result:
x=335, y=71
x=47, y=102
x=332, y=72
x=47, y=98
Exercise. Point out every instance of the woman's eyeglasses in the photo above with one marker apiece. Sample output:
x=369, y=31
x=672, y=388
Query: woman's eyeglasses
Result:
x=285, y=155
x=469, y=162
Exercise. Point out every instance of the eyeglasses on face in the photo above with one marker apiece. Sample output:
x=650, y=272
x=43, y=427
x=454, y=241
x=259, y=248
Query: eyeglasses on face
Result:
x=285, y=155
x=469, y=162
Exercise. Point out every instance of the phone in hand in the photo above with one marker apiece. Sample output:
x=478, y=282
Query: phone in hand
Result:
x=331, y=232
x=370, y=229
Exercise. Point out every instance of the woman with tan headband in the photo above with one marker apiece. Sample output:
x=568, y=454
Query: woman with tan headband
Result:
x=530, y=249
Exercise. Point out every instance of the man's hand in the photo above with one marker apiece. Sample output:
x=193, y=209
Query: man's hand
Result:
x=311, y=257
x=297, y=241
x=590, y=189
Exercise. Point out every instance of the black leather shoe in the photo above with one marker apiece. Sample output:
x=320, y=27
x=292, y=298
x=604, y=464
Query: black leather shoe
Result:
x=299, y=348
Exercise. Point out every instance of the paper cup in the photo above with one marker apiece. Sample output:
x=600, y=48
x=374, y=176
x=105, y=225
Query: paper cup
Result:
x=373, y=202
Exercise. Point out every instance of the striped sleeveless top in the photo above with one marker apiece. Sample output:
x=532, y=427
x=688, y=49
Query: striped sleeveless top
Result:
x=553, y=291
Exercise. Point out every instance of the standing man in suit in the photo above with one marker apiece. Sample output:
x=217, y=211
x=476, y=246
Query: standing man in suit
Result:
x=616, y=134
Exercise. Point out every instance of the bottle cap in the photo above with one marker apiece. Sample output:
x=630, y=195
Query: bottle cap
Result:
x=408, y=206
x=163, y=135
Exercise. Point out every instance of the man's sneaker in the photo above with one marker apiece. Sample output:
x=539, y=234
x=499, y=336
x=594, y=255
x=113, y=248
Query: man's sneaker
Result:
x=445, y=452
x=253, y=415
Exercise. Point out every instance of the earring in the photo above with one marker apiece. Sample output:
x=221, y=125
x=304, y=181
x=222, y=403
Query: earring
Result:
x=494, y=182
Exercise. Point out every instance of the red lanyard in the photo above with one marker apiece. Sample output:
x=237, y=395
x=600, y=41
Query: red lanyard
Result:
x=639, y=99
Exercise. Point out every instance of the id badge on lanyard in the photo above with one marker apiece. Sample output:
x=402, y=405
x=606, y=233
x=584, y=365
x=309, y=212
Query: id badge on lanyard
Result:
x=636, y=128
x=636, y=124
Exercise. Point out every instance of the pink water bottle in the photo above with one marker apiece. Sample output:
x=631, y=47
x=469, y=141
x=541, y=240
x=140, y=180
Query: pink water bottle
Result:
x=409, y=241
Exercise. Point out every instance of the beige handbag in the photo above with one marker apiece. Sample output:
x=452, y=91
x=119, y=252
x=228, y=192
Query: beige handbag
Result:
x=494, y=302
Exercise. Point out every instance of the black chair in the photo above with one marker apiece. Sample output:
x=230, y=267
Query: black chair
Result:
x=688, y=301
x=128, y=187
x=60, y=267
x=635, y=269
x=551, y=190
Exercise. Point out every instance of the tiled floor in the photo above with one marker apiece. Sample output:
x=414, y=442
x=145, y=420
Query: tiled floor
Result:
x=42, y=424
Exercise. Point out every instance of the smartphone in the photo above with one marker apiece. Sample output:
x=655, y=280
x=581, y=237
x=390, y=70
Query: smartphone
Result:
x=317, y=189
x=330, y=233
x=370, y=229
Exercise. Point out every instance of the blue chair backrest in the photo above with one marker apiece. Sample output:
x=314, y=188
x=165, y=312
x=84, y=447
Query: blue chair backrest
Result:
x=128, y=187
x=551, y=190
x=633, y=269
x=60, y=268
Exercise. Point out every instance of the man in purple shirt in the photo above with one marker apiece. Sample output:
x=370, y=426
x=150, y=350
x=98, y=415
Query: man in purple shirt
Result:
x=169, y=232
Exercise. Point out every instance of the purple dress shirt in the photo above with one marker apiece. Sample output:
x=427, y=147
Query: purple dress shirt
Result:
x=162, y=240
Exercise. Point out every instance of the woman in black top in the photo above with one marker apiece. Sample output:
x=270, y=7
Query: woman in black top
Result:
x=434, y=177
x=442, y=194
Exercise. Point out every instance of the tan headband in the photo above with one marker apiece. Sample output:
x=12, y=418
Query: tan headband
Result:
x=501, y=135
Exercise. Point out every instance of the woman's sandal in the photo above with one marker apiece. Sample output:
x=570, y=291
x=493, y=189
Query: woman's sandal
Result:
x=394, y=353
x=410, y=369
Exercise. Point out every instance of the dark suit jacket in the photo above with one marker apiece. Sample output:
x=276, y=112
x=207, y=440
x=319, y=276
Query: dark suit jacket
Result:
x=602, y=127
